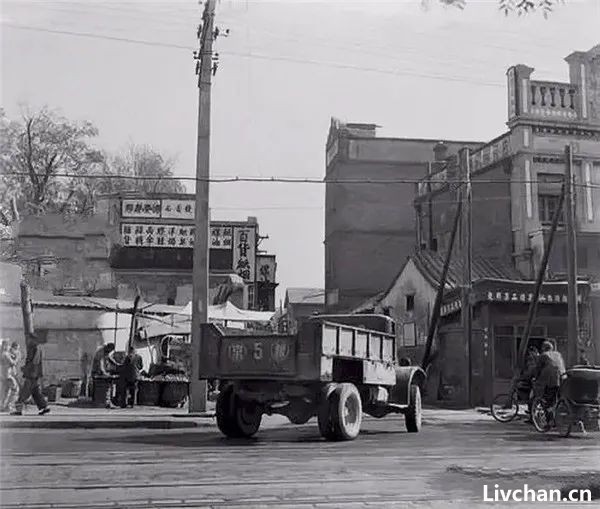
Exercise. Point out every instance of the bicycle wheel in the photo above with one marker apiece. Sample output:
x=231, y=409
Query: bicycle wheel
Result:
x=563, y=418
x=539, y=415
x=505, y=407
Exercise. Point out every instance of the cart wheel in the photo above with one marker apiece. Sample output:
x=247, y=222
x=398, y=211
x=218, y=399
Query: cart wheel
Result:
x=412, y=417
x=324, y=412
x=540, y=415
x=504, y=408
x=346, y=412
x=563, y=418
x=237, y=418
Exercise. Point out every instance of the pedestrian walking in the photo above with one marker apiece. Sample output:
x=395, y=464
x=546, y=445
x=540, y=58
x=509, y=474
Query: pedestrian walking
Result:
x=32, y=375
x=10, y=358
x=129, y=373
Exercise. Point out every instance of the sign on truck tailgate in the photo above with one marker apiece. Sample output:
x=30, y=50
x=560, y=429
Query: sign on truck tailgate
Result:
x=258, y=355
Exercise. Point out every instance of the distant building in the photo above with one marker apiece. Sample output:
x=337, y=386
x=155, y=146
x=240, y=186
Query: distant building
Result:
x=301, y=303
x=143, y=244
x=369, y=226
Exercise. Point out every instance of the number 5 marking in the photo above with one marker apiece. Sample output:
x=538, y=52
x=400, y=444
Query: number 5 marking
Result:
x=258, y=351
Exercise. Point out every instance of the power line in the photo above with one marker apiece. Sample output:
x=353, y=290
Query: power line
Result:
x=296, y=180
x=259, y=56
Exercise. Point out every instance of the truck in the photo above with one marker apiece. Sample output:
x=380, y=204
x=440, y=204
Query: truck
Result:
x=336, y=367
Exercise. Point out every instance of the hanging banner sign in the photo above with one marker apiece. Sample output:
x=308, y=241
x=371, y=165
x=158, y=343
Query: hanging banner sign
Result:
x=244, y=246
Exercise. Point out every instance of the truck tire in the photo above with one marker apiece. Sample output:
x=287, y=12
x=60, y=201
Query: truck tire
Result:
x=237, y=418
x=412, y=417
x=324, y=412
x=346, y=412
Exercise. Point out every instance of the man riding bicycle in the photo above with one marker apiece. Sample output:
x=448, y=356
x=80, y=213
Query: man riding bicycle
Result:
x=548, y=373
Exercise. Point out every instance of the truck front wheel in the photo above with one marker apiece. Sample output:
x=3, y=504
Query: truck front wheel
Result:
x=412, y=417
x=237, y=418
x=346, y=412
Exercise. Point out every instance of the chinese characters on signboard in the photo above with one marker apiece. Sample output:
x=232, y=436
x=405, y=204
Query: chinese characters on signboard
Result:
x=265, y=268
x=167, y=209
x=221, y=237
x=172, y=235
x=548, y=298
x=244, y=244
x=157, y=235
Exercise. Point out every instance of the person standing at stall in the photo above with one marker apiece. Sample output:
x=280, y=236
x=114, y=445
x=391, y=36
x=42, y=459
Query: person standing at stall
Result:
x=128, y=377
x=103, y=366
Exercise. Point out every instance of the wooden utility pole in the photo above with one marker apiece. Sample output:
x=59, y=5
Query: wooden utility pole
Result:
x=539, y=281
x=134, y=312
x=27, y=310
x=197, y=401
x=437, y=306
x=467, y=255
x=571, y=222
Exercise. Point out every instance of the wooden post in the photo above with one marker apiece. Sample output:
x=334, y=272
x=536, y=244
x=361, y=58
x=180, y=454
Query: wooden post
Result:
x=440, y=293
x=539, y=280
x=27, y=311
x=571, y=222
x=136, y=303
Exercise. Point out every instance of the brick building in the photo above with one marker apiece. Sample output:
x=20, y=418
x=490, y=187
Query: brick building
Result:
x=370, y=226
x=144, y=245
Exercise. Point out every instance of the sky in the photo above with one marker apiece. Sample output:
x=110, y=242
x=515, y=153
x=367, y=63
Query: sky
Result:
x=286, y=68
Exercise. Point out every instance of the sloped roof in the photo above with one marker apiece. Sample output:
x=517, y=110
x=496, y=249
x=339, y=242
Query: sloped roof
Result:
x=431, y=265
x=305, y=296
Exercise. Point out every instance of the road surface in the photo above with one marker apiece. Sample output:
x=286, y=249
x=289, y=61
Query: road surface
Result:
x=289, y=466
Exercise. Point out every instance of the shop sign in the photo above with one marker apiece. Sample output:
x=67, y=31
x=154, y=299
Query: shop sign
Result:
x=265, y=268
x=140, y=208
x=157, y=235
x=221, y=237
x=244, y=246
x=178, y=209
x=525, y=297
x=166, y=209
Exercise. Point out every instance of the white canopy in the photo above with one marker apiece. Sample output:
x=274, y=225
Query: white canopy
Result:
x=181, y=322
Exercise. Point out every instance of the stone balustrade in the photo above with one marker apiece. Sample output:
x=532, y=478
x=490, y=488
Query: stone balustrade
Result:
x=554, y=100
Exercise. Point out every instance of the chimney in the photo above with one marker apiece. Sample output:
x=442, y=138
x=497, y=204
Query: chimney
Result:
x=440, y=151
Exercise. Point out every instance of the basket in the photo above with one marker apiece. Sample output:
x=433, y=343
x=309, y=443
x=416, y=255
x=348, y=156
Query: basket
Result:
x=54, y=393
x=149, y=392
x=71, y=388
x=174, y=394
x=103, y=388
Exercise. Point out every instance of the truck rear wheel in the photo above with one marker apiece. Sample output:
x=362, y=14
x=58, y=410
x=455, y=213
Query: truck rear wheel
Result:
x=346, y=412
x=237, y=418
x=324, y=412
x=412, y=417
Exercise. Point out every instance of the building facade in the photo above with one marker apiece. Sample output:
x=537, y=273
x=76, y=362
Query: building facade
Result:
x=517, y=177
x=143, y=245
x=369, y=215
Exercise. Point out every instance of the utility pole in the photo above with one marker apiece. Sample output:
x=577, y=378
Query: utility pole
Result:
x=573, y=308
x=204, y=69
x=467, y=255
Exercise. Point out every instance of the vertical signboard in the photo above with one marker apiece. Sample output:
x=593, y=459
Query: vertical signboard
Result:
x=244, y=249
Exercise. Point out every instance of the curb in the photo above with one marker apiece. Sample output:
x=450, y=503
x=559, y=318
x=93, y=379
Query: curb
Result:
x=77, y=423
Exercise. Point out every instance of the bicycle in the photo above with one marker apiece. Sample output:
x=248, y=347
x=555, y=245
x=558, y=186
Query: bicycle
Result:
x=505, y=407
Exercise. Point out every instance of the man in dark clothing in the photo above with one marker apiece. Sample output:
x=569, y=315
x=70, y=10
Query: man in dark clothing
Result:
x=548, y=374
x=32, y=374
x=128, y=377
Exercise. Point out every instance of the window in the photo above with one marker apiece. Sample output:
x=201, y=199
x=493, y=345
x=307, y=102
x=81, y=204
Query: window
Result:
x=547, y=205
x=410, y=303
x=433, y=244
